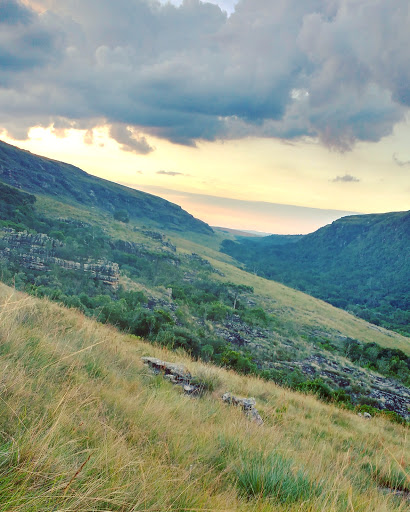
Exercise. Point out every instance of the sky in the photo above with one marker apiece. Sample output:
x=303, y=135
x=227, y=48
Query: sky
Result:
x=271, y=116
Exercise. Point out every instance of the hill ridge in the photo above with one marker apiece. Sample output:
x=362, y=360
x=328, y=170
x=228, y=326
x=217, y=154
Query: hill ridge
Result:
x=45, y=176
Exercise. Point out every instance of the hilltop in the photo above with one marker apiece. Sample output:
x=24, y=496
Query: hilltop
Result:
x=86, y=426
x=359, y=263
x=67, y=183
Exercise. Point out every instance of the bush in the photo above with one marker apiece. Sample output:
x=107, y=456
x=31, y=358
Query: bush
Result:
x=179, y=337
x=238, y=362
x=341, y=397
x=255, y=317
x=217, y=311
x=389, y=415
x=318, y=387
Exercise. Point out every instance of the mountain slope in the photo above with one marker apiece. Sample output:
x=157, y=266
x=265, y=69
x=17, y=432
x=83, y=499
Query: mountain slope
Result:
x=39, y=175
x=85, y=426
x=149, y=285
x=360, y=263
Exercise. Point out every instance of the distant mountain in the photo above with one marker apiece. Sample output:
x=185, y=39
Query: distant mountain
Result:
x=273, y=240
x=236, y=232
x=68, y=183
x=251, y=233
x=360, y=263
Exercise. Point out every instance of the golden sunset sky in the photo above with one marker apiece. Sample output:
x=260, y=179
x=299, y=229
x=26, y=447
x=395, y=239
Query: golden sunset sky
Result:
x=236, y=143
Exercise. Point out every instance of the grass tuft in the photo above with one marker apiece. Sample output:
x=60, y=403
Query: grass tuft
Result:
x=274, y=478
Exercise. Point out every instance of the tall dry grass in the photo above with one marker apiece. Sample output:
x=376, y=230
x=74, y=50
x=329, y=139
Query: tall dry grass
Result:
x=84, y=426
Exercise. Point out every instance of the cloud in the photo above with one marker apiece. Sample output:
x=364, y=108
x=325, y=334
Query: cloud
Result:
x=347, y=178
x=171, y=173
x=14, y=13
x=129, y=140
x=401, y=163
x=27, y=42
x=270, y=69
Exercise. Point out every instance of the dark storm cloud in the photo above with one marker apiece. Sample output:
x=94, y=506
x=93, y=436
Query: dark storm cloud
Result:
x=13, y=13
x=188, y=73
x=27, y=42
x=347, y=178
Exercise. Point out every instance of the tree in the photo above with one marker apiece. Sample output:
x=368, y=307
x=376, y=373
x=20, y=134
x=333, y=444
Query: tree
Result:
x=236, y=290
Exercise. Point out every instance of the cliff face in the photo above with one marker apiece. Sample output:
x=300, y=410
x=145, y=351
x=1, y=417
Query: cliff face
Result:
x=40, y=175
x=37, y=252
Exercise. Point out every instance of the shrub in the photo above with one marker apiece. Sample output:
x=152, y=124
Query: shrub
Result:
x=237, y=361
x=179, y=337
x=217, y=311
x=318, y=387
x=340, y=396
x=255, y=317
x=389, y=415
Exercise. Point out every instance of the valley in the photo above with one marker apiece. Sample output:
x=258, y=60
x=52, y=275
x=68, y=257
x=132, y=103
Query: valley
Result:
x=359, y=263
x=177, y=290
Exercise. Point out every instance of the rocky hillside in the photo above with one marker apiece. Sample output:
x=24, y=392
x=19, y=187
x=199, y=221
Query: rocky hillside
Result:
x=360, y=263
x=39, y=175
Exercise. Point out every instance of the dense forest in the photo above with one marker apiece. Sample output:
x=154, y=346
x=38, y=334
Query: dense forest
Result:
x=358, y=263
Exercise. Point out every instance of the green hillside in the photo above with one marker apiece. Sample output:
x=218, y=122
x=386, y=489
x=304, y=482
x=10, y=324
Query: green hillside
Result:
x=39, y=175
x=360, y=263
x=85, y=426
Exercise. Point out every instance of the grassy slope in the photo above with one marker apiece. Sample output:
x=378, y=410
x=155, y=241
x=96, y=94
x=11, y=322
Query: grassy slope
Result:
x=295, y=310
x=294, y=307
x=84, y=426
x=40, y=175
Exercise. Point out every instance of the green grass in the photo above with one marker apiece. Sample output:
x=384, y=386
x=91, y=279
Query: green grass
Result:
x=274, y=478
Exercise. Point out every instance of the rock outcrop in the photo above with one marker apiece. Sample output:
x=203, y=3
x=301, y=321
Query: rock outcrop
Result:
x=37, y=252
x=383, y=392
x=246, y=404
x=176, y=373
x=23, y=238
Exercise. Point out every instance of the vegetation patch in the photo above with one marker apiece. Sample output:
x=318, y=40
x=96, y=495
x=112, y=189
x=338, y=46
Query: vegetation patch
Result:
x=274, y=478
